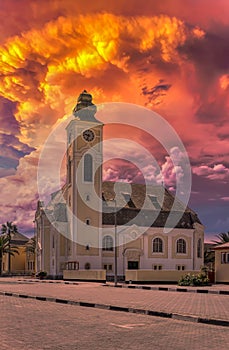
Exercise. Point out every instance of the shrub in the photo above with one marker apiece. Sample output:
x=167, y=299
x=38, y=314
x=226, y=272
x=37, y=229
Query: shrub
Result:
x=201, y=279
x=41, y=274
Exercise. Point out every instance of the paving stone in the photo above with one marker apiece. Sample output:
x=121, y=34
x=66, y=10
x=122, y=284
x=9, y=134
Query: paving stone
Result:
x=204, y=305
x=28, y=324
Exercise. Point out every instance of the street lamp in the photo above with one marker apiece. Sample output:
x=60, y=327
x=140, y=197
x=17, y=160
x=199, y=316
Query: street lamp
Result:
x=35, y=246
x=115, y=243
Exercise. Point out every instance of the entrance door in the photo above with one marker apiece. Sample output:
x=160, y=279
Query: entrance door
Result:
x=132, y=265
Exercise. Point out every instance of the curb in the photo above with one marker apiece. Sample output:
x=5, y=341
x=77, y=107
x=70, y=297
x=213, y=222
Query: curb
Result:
x=174, y=316
x=130, y=286
x=48, y=281
x=170, y=289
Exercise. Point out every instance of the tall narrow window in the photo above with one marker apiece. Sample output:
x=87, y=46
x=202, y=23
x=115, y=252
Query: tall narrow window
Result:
x=157, y=245
x=199, y=248
x=69, y=170
x=181, y=246
x=223, y=258
x=88, y=168
x=108, y=243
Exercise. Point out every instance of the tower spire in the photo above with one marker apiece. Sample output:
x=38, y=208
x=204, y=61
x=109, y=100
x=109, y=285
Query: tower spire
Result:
x=85, y=109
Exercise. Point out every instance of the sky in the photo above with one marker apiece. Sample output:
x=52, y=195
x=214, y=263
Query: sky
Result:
x=169, y=56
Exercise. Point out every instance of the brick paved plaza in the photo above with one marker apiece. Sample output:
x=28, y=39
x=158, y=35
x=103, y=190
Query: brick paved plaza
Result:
x=34, y=324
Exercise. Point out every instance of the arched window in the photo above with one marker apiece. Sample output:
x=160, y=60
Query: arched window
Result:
x=87, y=266
x=108, y=243
x=157, y=245
x=88, y=168
x=181, y=246
x=199, y=248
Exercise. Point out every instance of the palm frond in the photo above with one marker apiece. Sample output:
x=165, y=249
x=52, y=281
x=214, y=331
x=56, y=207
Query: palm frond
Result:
x=223, y=237
x=31, y=246
x=5, y=247
x=9, y=228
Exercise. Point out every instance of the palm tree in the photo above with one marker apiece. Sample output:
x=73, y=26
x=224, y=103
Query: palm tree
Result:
x=223, y=237
x=9, y=229
x=5, y=248
x=209, y=256
x=30, y=248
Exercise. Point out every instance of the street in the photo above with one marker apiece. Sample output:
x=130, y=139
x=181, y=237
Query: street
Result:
x=36, y=325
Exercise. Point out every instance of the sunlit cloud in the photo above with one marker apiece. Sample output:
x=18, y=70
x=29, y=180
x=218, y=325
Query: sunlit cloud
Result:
x=224, y=81
x=175, y=64
x=216, y=172
x=33, y=63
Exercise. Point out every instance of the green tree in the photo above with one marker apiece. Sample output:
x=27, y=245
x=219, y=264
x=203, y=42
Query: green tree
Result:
x=8, y=230
x=5, y=248
x=223, y=237
x=31, y=248
x=209, y=256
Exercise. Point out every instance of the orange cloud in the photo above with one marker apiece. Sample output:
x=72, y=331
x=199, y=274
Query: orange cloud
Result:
x=34, y=64
x=159, y=61
x=224, y=81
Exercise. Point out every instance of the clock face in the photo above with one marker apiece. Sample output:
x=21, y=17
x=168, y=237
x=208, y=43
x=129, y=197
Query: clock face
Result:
x=88, y=135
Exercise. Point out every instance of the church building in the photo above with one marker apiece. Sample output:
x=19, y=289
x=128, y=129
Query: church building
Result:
x=97, y=230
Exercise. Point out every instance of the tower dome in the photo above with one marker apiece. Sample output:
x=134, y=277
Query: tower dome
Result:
x=85, y=109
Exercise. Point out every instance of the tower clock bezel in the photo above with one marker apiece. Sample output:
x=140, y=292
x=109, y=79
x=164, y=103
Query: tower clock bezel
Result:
x=88, y=135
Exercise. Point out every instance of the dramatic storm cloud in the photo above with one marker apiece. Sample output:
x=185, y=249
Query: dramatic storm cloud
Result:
x=168, y=56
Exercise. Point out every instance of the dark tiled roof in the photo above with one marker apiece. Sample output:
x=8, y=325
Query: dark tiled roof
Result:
x=148, y=218
x=19, y=239
x=141, y=196
x=140, y=205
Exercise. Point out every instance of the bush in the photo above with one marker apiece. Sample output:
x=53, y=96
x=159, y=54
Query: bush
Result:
x=201, y=279
x=41, y=274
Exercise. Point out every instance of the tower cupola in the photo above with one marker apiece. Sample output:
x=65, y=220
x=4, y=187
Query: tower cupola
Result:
x=85, y=109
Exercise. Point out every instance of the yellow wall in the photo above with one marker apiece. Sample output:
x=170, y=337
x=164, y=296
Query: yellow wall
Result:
x=154, y=275
x=221, y=270
x=47, y=249
x=81, y=250
x=63, y=244
x=99, y=275
x=18, y=262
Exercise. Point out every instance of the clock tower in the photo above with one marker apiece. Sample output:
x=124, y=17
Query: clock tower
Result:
x=84, y=182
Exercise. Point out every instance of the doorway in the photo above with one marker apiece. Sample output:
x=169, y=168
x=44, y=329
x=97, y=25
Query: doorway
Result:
x=133, y=265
